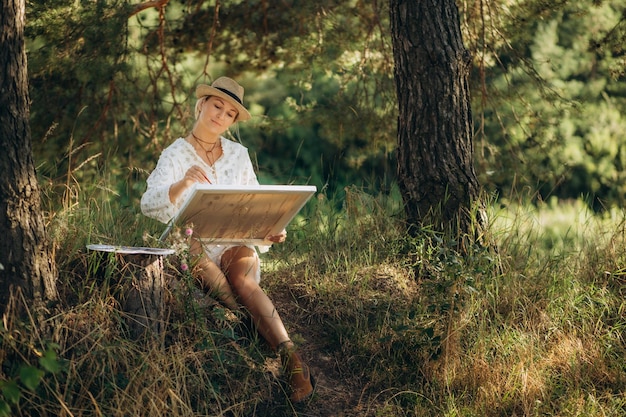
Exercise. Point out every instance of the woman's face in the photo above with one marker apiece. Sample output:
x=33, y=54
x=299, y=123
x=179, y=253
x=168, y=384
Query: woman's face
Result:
x=217, y=114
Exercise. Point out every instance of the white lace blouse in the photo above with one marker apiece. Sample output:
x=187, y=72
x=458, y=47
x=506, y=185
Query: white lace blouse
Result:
x=232, y=168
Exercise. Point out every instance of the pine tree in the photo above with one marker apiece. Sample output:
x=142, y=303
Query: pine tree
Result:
x=27, y=263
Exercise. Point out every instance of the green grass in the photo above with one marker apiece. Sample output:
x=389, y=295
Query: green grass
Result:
x=533, y=326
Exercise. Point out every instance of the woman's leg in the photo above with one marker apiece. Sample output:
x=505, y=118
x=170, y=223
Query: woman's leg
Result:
x=240, y=265
x=211, y=277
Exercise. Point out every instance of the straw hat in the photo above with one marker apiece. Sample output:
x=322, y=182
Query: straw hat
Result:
x=227, y=89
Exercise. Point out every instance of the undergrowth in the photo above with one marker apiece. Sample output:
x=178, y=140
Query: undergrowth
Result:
x=533, y=325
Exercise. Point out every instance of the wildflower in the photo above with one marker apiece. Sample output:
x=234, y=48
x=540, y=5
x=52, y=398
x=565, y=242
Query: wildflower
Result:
x=184, y=267
x=189, y=231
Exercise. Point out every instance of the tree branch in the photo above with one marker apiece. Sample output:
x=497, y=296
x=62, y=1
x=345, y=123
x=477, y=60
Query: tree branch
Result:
x=143, y=6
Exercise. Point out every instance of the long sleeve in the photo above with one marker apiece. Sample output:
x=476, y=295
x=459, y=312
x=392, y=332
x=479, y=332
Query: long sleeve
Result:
x=171, y=167
x=155, y=202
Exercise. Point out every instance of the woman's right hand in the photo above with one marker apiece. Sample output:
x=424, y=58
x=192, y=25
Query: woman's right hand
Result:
x=196, y=174
x=193, y=175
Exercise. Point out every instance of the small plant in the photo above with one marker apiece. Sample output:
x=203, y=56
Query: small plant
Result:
x=24, y=374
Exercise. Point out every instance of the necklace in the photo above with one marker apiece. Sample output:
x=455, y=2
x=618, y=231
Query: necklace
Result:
x=206, y=151
x=204, y=142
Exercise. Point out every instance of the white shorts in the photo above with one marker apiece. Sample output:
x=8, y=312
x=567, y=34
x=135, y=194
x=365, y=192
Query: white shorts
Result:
x=215, y=252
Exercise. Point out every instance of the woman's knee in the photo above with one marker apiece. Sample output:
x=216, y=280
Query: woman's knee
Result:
x=240, y=260
x=237, y=253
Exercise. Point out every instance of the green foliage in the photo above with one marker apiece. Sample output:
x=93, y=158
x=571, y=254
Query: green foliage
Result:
x=111, y=88
x=73, y=60
x=22, y=376
x=553, y=114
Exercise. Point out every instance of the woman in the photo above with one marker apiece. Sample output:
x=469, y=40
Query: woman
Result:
x=230, y=271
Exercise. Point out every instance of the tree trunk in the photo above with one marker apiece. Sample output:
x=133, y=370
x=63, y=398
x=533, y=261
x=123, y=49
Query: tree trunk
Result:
x=435, y=167
x=26, y=261
x=140, y=291
x=136, y=279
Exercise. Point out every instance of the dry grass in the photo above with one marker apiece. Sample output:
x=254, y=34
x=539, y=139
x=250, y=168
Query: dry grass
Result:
x=392, y=326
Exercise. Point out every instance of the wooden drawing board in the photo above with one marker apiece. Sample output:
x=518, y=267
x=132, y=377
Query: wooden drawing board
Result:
x=240, y=214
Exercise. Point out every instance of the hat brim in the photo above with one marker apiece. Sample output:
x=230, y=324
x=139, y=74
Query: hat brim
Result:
x=204, y=90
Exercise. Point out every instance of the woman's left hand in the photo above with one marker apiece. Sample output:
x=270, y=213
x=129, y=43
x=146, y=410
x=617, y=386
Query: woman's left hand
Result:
x=279, y=238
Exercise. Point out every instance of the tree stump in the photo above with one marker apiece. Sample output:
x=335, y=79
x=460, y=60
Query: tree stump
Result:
x=139, y=285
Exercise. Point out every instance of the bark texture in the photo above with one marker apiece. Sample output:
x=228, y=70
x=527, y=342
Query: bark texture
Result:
x=435, y=151
x=140, y=292
x=27, y=262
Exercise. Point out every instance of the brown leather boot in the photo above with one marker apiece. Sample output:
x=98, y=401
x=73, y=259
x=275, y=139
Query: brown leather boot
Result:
x=298, y=373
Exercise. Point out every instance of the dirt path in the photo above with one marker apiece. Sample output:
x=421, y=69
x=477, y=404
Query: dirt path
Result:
x=336, y=395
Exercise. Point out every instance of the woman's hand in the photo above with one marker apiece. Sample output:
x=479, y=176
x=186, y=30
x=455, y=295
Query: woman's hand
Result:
x=279, y=238
x=196, y=174
x=193, y=175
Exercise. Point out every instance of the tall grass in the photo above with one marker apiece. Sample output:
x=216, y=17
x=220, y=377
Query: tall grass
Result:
x=531, y=326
